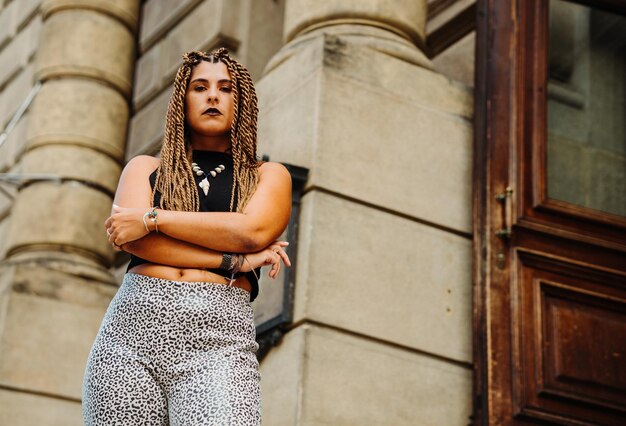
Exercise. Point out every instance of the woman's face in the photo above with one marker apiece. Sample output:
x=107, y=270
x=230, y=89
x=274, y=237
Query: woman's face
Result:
x=210, y=88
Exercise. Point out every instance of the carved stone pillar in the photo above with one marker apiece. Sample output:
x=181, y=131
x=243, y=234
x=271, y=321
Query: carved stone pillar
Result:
x=382, y=293
x=394, y=27
x=77, y=131
x=54, y=283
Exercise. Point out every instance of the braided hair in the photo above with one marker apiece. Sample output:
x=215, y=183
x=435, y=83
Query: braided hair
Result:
x=174, y=178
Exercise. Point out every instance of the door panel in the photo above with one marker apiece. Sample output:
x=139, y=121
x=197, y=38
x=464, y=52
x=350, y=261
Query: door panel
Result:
x=571, y=357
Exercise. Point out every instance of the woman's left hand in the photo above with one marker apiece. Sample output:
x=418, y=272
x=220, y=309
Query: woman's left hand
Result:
x=270, y=255
x=125, y=225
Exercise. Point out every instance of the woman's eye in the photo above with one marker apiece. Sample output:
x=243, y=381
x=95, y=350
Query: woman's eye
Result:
x=199, y=88
x=226, y=89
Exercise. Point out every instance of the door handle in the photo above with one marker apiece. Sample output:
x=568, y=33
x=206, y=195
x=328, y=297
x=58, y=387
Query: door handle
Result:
x=504, y=198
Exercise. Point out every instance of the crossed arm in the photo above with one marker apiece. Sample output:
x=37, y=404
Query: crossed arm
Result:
x=196, y=239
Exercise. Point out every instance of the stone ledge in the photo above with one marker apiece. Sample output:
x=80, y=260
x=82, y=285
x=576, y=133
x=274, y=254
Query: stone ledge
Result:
x=125, y=11
x=381, y=275
x=17, y=409
x=16, y=54
x=79, y=42
x=332, y=370
x=79, y=112
x=54, y=322
x=364, y=105
x=79, y=211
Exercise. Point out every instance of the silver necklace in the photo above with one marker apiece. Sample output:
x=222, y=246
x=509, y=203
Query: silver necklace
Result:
x=204, y=184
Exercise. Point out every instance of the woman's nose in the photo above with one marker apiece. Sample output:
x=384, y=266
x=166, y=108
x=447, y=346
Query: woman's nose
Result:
x=212, y=95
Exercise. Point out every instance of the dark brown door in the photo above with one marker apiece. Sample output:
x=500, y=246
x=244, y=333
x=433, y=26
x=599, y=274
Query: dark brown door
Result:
x=550, y=213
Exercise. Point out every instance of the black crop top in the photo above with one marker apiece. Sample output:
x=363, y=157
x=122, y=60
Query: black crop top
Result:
x=217, y=200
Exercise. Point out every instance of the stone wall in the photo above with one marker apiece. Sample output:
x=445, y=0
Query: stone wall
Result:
x=54, y=283
x=20, y=25
x=382, y=331
x=383, y=305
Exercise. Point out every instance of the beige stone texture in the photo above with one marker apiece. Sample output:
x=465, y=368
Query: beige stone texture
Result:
x=14, y=93
x=4, y=226
x=24, y=11
x=74, y=162
x=218, y=18
x=148, y=81
x=264, y=24
x=79, y=213
x=415, y=159
x=7, y=23
x=14, y=17
x=14, y=144
x=15, y=55
x=79, y=112
x=6, y=200
x=5, y=205
x=25, y=409
x=287, y=126
x=88, y=44
x=397, y=280
x=406, y=17
x=339, y=379
x=127, y=11
x=160, y=16
x=46, y=350
x=66, y=260
x=282, y=379
x=378, y=341
x=339, y=35
x=147, y=126
x=372, y=127
x=457, y=61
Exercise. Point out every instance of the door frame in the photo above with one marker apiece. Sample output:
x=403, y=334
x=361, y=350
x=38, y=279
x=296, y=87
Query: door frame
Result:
x=507, y=119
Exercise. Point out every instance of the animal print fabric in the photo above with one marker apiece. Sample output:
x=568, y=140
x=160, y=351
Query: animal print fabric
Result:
x=174, y=353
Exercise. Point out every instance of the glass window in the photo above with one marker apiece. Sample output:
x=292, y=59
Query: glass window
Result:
x=586, y=107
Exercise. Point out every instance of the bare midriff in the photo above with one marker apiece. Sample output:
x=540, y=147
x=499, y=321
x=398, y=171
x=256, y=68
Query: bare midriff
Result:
x=187, y=274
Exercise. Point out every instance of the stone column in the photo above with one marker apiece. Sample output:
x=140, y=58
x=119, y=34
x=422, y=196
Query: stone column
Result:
x=382, y=317
x=55, y=284
x=77, y=131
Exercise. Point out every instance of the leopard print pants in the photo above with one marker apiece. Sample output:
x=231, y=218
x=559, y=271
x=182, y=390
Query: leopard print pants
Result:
x=174, y=353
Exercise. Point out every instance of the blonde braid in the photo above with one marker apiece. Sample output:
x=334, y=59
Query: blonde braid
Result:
x=175, y=179
x=243, y=136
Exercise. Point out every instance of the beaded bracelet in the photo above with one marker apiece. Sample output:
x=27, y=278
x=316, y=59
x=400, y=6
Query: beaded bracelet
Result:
x=152, y=215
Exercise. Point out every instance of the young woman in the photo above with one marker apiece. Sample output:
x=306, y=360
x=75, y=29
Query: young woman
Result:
x=177, y=343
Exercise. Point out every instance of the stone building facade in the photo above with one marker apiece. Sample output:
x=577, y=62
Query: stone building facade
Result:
x=351, y=90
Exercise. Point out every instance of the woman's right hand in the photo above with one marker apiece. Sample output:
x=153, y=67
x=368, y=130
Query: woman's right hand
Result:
x=271, y=255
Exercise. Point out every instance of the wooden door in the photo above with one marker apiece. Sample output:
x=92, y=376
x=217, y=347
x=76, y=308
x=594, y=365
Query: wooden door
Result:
x=550, y=213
